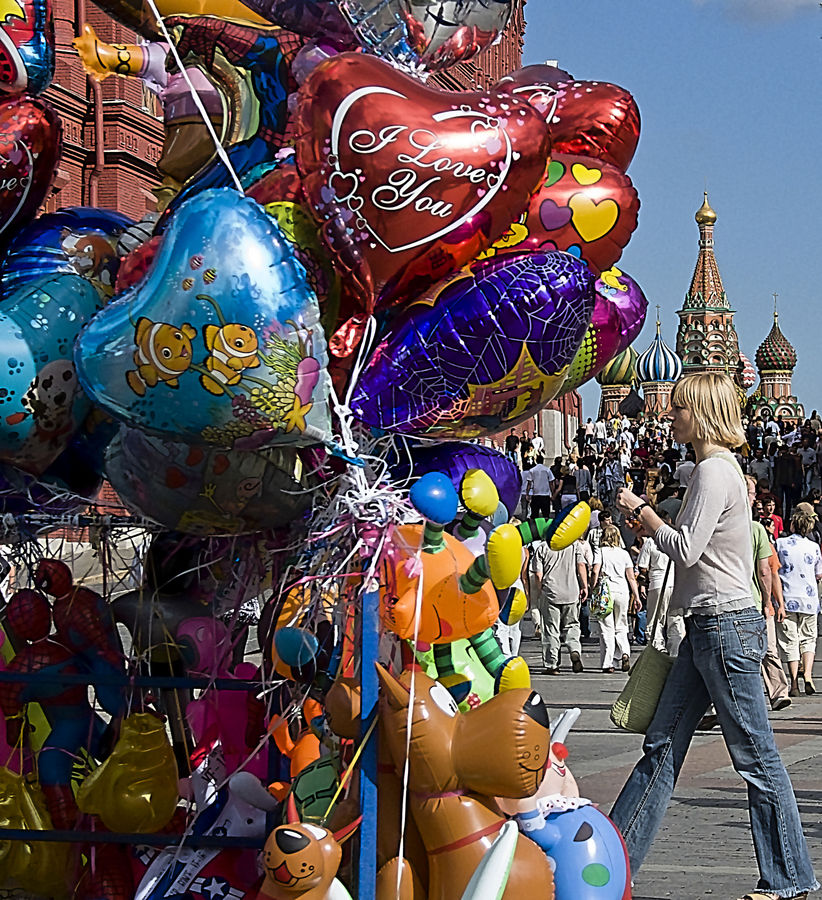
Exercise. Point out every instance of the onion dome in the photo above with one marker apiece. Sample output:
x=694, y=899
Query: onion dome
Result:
x=745, y=375
x=705, y=214
x=621, y=370
x=658, y=362
x=776, y=351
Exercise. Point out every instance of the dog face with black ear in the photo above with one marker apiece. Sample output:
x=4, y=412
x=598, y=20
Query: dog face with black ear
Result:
x=300, y=857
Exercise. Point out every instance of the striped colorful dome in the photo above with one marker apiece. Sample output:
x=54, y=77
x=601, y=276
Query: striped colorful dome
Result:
x=776, y=351
x=658, y=362
x=745, y=375
x=621, y=370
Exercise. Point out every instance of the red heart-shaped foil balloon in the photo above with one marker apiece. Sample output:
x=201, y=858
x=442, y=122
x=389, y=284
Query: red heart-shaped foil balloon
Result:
x=586, y=207
x=411, y=181
x=30, y=142
x=587, y=118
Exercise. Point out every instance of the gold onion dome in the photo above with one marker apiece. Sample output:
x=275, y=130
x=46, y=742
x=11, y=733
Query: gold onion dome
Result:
x=621, y=370
x=776, y=352
x=705, y=214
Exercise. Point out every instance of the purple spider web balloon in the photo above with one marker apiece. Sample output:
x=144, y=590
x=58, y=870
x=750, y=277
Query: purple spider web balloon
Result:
x=488, y=351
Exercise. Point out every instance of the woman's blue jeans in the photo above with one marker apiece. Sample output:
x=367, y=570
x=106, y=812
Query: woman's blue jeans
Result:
x=719, y=662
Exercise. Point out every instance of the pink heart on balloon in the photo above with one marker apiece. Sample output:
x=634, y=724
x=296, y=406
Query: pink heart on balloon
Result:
x=30, y=142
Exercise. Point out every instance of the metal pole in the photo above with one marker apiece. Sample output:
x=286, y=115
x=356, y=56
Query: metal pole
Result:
x=369, y=651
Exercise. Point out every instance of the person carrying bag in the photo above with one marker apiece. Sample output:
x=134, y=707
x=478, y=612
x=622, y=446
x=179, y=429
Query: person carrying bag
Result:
x=634, y=709
x=719, y=659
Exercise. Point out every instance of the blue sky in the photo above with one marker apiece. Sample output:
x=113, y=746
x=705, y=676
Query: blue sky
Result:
x=730, y=97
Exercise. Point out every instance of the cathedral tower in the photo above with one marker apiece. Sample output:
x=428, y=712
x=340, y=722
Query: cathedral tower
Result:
x=706, y=339
x=776, y=360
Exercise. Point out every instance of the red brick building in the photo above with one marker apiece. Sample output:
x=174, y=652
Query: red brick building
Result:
x=112, y=132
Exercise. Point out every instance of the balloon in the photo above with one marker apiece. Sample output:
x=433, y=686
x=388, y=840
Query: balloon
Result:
x=135, y=789
x=254, y=65
x=453, y=777
x=584, y=206
x=38, y=867
x=31, y=137
x=26, y=47
x=221, y=342
x=466, y=663
x=590, y=859
x=631, y=303
x=204, y=491
x=279, y=191
x=619, y=315
x=490, y=878
x=448, y=611
x=427, y=35
x=313, y=18
x=455, y=458
x=41, y=404
x=77, y=240
x=295, y=646
x=435, y=498
x=585, y=118
x=303, y=860
x=600, y=344
x=411, y=181
x=488, y=351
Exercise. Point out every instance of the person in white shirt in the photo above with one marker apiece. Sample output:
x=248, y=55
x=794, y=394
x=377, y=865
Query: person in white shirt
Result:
x=600, y=434
x=652, y=565
x=684, y=470
x=760, y=467
x=538, y=445
x=807, y=455
x=614, y=565
x=538, y=487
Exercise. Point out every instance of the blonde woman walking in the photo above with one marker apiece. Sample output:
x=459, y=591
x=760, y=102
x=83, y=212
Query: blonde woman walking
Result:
x=613, y=564
x=719, y=659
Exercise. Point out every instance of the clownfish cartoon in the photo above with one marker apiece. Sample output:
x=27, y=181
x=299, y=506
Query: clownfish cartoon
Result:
x=233, y=347
x=163, y=353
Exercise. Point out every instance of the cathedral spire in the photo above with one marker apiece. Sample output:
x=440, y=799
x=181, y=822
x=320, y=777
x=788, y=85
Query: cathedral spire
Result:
x=706, y=339
x=707, y=290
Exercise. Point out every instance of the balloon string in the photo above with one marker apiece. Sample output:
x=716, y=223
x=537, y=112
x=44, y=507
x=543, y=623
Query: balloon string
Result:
x=406, y=769
x=350, y=770
x=218, y=146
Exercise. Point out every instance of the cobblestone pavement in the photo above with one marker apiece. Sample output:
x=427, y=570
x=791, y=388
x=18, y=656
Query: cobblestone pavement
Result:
x=704, y=848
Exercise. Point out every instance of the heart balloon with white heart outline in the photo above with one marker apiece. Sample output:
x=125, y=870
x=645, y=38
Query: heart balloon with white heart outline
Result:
x=410, y=181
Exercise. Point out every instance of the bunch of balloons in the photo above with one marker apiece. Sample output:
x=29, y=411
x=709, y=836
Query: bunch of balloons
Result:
x=352, y=272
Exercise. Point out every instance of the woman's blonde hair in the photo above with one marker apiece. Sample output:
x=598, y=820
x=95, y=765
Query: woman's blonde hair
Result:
x=802, y=521
x=714, y=405
x=596, y=503
x=610, y=536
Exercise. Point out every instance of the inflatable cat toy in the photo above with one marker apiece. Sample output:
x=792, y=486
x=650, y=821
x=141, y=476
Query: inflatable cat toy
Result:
x=459, y=597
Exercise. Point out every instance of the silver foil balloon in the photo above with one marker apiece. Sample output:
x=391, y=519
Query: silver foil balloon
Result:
x=427, y=35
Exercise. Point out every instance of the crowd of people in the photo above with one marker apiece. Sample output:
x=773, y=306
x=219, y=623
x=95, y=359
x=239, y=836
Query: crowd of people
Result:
x=782, y=464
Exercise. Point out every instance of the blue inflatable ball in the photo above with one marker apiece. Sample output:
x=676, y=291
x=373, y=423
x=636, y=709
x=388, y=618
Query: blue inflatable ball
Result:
x=586, y=852
x=435, y=498
x=295, y=646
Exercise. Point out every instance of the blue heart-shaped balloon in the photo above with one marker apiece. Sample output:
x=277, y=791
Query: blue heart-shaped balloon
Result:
x=41, y=404
x=221, y=342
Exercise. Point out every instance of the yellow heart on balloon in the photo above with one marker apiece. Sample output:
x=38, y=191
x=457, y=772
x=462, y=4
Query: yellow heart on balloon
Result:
x=592, y=220
x=584, y=175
